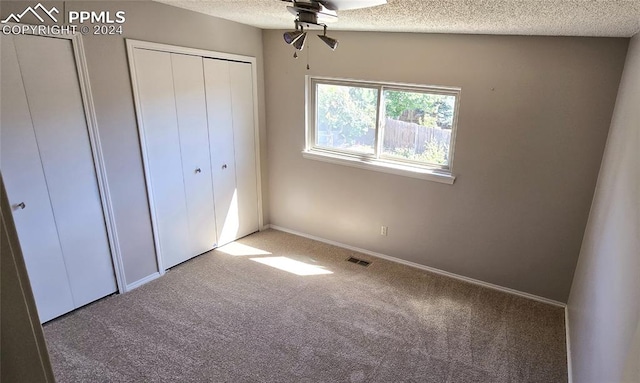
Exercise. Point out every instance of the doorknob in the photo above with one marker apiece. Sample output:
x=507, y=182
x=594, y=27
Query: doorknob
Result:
x=224, y=166
x=21, y=205
x=198, y=170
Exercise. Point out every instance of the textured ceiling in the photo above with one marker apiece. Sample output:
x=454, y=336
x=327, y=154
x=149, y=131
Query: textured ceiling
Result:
x=620, y=18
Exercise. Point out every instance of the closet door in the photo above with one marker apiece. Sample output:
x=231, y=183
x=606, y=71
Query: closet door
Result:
x=220, y=117
x=188, y=83
x=230, y=107
x=241, y=80
x=172, y=100
x=55, y=122
x=60, y=125
x=26, y=184
x=161, y=140
x=198, y=137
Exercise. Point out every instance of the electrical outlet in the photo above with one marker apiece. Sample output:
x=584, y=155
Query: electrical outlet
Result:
x=383, y=230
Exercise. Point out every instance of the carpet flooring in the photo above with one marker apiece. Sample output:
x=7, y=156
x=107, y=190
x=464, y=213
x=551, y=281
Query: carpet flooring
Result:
x=275, y=307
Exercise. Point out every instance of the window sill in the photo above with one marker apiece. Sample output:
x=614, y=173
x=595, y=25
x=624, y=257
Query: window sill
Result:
x=382, y=166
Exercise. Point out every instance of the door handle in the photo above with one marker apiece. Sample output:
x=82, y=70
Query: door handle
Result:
x=198, y=170
x=21, y=205
x=224, y=166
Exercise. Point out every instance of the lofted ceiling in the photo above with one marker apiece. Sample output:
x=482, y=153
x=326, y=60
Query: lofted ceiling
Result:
x=614, y=18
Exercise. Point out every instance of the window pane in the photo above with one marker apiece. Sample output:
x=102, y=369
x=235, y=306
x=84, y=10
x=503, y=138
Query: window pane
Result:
x=418, y=126
x=346, y=117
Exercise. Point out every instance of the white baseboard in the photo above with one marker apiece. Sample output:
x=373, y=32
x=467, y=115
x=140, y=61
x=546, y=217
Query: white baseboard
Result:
x=422, y=267
x=142, y=281
x=568, y=339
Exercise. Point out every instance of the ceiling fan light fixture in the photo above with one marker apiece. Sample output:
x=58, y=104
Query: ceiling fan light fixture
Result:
x=293, y=36
x=331, y=43
x=299, y=43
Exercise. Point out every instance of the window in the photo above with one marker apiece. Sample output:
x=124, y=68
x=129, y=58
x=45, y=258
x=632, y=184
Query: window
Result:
x=397, y=128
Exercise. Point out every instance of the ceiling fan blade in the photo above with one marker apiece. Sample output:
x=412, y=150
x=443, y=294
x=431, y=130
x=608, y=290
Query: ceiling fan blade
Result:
x=343, y=5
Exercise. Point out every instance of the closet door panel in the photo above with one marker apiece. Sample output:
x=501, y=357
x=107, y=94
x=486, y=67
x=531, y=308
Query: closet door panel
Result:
x=25, y=182
x=60, y=126
x=241, y=79
x=191, y=106
x=162, y=144
x=220, y=117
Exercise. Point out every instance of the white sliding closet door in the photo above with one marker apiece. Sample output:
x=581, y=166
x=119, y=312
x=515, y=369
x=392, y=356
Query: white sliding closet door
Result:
x=50, y=175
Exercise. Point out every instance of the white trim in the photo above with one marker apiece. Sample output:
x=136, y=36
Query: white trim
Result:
x=423, y=267
x=142, y=281
x=143, y=149
x=96, y=150
x=101, y=171
x=132, y=44
x=138, y=44
x=256, y=124
x=439, y=89
x=568, y=340
x=381, y=166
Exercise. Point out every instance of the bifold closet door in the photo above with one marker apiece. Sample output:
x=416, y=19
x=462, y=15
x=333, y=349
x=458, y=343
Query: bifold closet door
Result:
x=173, y=110
x=48, y=167
x=229, y=89
x=188, y=83
x=244, y=142
x=223, y=165
x=25, y=183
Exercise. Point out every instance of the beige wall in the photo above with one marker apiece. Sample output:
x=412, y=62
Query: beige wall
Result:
x=113, y=98
x=534, y=117
x=604, y=306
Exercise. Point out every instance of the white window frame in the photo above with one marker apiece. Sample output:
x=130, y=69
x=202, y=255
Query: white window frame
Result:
x=378, y=161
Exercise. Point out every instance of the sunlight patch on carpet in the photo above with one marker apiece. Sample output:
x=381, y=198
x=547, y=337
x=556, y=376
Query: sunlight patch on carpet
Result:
x=292, y=266
x=238, y=250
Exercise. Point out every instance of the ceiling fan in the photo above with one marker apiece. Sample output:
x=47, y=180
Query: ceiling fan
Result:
x=314, y=14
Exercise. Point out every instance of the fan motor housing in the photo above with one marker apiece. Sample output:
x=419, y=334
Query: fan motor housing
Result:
x=312, y=13
x=308, y=17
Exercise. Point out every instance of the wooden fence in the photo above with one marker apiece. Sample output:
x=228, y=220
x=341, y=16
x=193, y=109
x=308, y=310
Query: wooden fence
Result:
x=399, y=134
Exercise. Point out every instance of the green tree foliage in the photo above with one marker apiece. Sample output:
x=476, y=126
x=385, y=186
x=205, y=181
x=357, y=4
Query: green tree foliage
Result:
x=347, y=113
x=432, y=154
x=421, y=108
x=433, y=111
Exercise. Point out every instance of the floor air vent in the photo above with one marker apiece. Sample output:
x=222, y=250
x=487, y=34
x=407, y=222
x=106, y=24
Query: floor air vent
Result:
x=358, y=261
